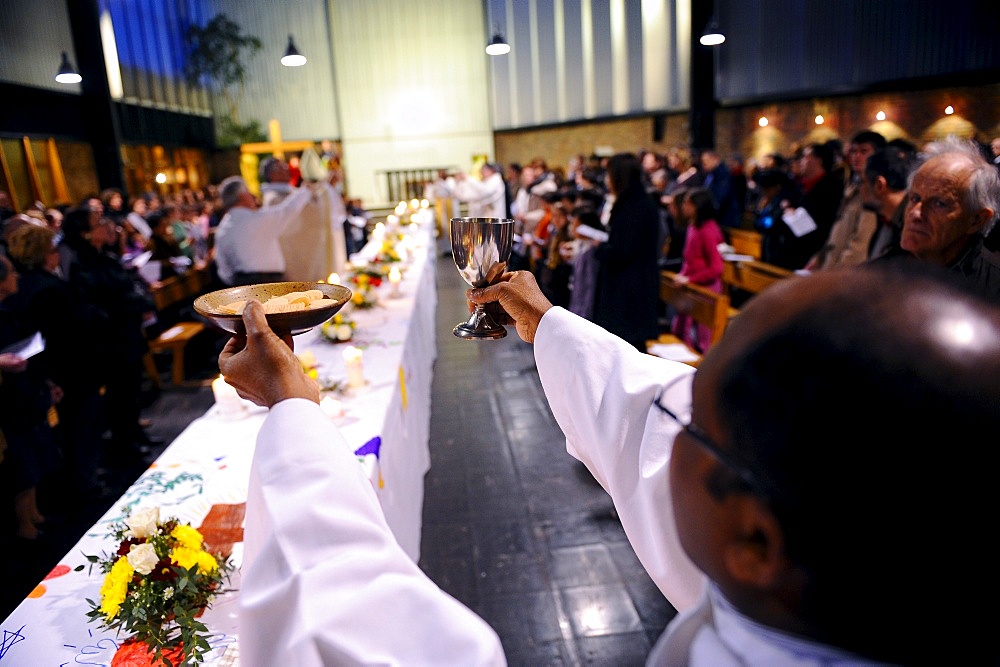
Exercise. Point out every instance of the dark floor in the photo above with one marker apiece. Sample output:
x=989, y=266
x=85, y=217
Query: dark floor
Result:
x=513, y=526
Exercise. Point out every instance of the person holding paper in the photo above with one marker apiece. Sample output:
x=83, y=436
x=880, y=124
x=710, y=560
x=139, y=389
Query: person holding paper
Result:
x=68, y=322
x=25, y=396
x=820, y=193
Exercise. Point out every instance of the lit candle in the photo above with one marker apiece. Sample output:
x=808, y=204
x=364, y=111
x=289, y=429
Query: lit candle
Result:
x=334, y=278
x=394, y=277
x=355, y=376
x=226, y=397
x=424, y=203
x=331, y=407
x=414, y=204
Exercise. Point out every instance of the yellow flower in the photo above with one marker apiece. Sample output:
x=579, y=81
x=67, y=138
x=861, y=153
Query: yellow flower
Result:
x=313, y=373
x=115, y=587
x=187, y=536
x=358, y=298
x=207, y=562
x=184, y=556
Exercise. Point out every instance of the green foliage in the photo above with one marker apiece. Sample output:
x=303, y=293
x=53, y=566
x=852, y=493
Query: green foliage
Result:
x=230, y=132
x=160, y=608
x=216, y=56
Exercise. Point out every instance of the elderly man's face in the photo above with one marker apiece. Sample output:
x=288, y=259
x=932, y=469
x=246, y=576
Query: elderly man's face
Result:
x=938, y=222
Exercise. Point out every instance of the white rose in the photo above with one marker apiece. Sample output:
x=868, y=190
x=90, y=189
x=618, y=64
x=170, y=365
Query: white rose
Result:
x=344, y=332
x=143, y=523
x=142, y=557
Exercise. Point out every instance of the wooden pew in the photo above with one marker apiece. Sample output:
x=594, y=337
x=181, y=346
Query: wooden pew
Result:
x=744, y=241
x=703, y=305
x=751, y=276
x=167, y=294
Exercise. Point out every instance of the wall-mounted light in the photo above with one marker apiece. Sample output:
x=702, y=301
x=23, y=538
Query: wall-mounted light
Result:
x=497, y=46
x=819, y=119
x=713, y=34
x=66, y=72
x=292, y=57
x=763, y=121
x=161, y=178
x=880, y=115
x=949, y=110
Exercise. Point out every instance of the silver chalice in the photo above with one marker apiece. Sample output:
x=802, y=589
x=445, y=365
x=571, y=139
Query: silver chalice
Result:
x=481, y=248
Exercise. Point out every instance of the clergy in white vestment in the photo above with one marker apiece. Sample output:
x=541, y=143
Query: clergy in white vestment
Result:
x=324, y=581
x=485, y=197
x=313, y=244
x=247, y=240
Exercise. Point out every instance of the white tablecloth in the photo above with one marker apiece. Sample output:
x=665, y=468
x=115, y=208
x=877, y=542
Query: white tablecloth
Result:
x=209, y=465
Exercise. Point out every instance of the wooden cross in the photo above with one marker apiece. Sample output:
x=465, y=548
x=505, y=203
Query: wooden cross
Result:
x=276, y=146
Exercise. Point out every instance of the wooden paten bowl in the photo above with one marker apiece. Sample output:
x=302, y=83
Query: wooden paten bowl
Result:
x=210, y=306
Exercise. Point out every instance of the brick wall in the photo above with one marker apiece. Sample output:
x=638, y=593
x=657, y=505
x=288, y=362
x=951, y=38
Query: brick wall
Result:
x=917, y=116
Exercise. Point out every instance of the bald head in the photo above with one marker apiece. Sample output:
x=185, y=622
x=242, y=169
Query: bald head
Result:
x=861, y=398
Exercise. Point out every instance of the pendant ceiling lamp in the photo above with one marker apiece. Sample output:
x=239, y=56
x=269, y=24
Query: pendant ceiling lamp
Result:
x=497, y=46
x=713, y=34
x=292, y=57
x=66, y=72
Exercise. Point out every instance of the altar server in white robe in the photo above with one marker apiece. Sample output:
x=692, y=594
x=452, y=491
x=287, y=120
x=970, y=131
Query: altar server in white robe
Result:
x=797, y=577
x=485, y=197
x=313, y=244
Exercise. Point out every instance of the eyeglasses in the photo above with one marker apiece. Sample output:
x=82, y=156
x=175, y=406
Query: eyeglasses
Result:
x=723, y=456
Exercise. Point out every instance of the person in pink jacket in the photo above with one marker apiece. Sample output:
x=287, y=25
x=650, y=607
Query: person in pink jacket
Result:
x=701, y=263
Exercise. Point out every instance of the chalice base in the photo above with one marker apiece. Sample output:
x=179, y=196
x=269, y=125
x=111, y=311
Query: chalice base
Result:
x=479, y=326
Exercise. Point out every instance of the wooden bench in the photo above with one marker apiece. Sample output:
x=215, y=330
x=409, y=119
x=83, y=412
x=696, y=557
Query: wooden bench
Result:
x=752, y=276
x=173, y=340
x=167, y=294
x=744, y=241
x=703, y=305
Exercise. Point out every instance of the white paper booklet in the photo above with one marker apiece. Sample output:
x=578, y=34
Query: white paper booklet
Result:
x=799, y=221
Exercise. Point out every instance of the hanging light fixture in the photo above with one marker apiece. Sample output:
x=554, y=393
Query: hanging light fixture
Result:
x=497, y=45
x=713, y=34
x=292, y=57
x=66, y=72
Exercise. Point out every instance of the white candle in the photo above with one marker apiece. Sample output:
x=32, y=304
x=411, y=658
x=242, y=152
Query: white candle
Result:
x=331, y=407
x=355, y=375
x=226, y=397
x=394, y=277
x=334, y=278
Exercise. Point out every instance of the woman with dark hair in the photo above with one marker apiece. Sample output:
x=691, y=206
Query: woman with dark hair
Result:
x=628, y=290
x=26, y=396
x=75, y=357
x=126, y=303
x=701, y=263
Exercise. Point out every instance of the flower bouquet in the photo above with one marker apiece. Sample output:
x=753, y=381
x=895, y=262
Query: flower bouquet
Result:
x=156, y=585
x=364, y=294
x=387, y=254
x=309, y=364
x=338, y=329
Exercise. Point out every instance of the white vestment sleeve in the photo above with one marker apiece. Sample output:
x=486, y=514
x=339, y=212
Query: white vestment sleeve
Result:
x=601, y=392
x=324, y=581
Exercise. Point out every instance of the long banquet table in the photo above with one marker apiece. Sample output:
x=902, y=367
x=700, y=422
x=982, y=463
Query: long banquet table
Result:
x=202, y=476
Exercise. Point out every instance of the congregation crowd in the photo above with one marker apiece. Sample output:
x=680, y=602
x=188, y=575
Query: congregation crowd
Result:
x=83, y=278
x=597, y=234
